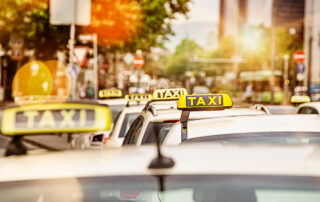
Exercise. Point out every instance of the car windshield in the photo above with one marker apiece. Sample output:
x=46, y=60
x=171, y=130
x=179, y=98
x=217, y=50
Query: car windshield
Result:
x=294, y=137
x=128, y=120
x=154, y=128
x=115, y=110
x=176, y=188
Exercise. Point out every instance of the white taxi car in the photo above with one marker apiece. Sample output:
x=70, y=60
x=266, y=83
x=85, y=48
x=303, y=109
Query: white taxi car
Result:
x=126, y=118
x=188, y=173
x=36, y=120
x=309, y=108
x=162, y=109
x=114, y=99
x=159, y=121
x=284, y=129
x=134, y=105
x=299, y=99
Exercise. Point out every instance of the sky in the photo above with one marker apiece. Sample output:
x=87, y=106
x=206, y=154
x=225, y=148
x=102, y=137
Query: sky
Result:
x=201, y=11
x=203, y=18
x=259, y=12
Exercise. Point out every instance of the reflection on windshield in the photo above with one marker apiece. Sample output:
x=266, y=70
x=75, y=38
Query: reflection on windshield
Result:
x=272, y=137
x=128, y=120
x=155, y=128
x=115, y=110
x=177, y=188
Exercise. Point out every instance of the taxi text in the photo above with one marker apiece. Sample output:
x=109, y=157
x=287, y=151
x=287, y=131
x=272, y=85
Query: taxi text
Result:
x=110, y=93
x=138, y=97
x=55, y=118
x=169, y=93
x=209, y=101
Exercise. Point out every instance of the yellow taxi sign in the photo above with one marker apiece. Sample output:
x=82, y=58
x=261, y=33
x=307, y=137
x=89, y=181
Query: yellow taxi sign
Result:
x=205, y=102
x=137, y=97
x=169, y=94
x=110, y=93
x=56, y=118
x=296, y=99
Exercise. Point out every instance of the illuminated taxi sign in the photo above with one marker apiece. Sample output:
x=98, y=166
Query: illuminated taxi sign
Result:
x=137, y=97
x=110, y=93
x=300, y=99
x=56, y=118
x=169, y=94
x=205, y=102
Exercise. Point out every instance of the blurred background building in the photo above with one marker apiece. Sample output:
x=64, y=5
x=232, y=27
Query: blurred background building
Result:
x=233, y=14
x=236, y=13
x=312, y=41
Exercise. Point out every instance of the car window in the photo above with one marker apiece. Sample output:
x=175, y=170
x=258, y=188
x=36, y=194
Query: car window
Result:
x=115, y=110
x=186, y=188
x=154, y=128
x=128, y=120
x=134, y=131
x=308, y=110
x=263, y=137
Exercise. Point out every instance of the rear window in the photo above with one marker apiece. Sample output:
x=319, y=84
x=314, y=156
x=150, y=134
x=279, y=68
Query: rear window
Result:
x=154, y=128
x=263, y=137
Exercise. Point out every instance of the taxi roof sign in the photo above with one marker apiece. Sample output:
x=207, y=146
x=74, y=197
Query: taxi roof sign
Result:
x=56, y=118
x=297, y=99
x=137, y=97
x=169, y=94
x=203, y=102
x=110, y=93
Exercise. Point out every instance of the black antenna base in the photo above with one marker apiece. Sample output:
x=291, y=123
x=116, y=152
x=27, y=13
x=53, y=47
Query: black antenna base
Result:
x=161, y=162
x=16, y=147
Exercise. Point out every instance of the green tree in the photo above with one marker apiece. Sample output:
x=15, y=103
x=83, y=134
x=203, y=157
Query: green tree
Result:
x=157, y=22
x=226, y=48
x=29, y=19
x=179, y=62
x=254, y=45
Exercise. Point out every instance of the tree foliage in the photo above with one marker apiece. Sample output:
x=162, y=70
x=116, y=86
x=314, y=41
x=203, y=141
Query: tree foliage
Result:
x=254, y=45
x=156, y=22
x=135, y=24
x=29, y=19
x=179, y=62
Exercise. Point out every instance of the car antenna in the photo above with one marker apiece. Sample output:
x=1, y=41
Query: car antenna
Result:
x=16, y=147
x=160, y=161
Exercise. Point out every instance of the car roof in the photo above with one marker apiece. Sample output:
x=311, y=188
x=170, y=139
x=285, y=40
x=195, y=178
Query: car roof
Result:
x=163, y=104
x=311, y=104
x=133, y=109
x=175, y=114
x=217, y=159
x=255, y=123
x=118, y=101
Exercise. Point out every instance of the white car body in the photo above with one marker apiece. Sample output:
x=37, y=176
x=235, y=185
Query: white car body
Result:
x=115, y=138
x=309, y=108
x=116, y=105
x=228, y=159
x=82, y=175
x=244, y=124
x=174, y=115
x=86, y=141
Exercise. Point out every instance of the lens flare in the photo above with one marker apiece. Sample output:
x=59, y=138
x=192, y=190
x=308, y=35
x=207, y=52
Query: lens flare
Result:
x=61, y=82
x=32, y=82
x=115, y=21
